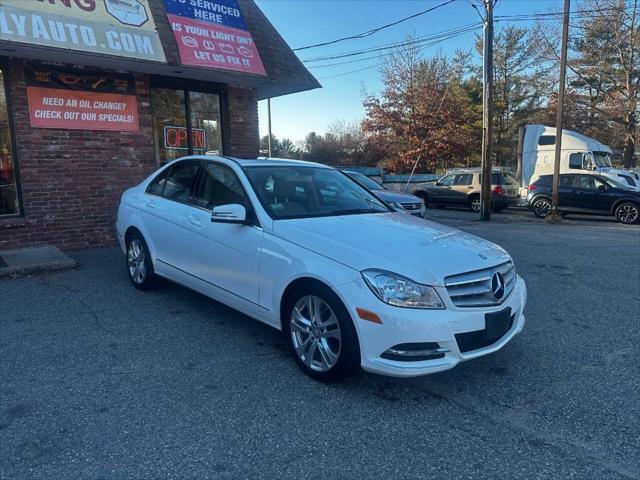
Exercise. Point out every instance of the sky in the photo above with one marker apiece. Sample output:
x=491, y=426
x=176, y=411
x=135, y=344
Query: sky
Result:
x=307, y=22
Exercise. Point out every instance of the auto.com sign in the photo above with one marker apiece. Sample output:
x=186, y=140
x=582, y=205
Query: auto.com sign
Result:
x=123, y=28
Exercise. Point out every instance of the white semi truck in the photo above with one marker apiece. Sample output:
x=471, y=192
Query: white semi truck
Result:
x=579, y=154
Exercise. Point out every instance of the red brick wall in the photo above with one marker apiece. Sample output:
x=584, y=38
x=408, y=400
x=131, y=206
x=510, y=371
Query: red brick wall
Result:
x=71, y=180
x=243, y=123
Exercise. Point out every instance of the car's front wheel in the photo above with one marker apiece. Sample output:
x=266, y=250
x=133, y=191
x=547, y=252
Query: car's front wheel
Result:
x=627, y=212
x=541, y=207
x=139, y=264
x=321, y=334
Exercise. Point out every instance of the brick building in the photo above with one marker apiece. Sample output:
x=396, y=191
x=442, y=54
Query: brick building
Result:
x=96, y=94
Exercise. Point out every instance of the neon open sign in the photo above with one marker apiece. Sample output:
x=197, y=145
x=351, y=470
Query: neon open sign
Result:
x=175, y=138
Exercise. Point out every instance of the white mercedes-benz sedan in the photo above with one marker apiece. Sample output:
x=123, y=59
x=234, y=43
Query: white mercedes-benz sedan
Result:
x=305, y=249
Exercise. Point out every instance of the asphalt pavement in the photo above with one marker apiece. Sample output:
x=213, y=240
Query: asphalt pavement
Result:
x=101, y=381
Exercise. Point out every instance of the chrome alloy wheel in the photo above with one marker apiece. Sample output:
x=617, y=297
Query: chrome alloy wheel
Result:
x=475, y=204
x=627, y=213
x=542, y=207
x=136, y=261
x=315, y=332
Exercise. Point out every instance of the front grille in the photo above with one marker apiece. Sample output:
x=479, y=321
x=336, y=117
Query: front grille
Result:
x=411, y=206
x=470, y=341
x=473, y=289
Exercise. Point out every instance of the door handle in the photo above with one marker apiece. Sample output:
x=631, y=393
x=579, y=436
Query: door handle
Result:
x=193, y=220
x=150, y=203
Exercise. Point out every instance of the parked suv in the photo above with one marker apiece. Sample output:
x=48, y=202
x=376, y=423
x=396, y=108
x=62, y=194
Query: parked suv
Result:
x=586, y=194
x=462, y=188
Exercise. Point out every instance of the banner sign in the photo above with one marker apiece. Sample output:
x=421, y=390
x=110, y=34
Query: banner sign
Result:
x=124, y=28
x=60, y=98
x=213, y=34
x=175, y=138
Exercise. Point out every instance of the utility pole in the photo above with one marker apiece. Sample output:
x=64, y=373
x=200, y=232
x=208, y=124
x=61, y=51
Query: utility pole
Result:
x=487, y=111
x=563, y=73
x=269, y=126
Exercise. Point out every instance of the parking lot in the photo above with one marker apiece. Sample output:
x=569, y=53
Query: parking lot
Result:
x=101, y=381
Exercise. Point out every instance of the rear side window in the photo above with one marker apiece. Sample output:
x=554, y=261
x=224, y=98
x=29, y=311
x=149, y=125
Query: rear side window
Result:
x=547, y=140
x=157, y=184
x=544, y=181
x=179, y=181
x=567, y=181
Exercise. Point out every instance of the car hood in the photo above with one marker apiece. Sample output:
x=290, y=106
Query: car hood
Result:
x=421, y=250
x=389, y=196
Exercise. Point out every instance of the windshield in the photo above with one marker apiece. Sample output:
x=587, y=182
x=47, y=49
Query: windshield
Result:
x=302, y=192
x=602, y=159
x=364, y=180
x=617, y=184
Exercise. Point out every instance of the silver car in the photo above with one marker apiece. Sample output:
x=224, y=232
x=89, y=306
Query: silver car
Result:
x=400, y=202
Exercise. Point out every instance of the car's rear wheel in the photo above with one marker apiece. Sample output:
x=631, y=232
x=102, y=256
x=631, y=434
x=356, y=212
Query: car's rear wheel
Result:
x=541, y=207
x=474, y=203
x=321, y=334
x=627, y=212
x=139, y=264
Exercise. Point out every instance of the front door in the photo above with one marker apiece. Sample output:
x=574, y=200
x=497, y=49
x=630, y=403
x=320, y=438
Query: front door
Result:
x=226, y=255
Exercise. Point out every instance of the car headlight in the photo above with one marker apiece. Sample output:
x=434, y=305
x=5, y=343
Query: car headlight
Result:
x=396, y=206
x=399, y=291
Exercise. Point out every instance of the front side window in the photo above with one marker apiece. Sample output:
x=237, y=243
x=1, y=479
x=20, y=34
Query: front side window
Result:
x=220, y=186
x=586, y=182
x=303, y=192
x=447, y=181
x=9, y=204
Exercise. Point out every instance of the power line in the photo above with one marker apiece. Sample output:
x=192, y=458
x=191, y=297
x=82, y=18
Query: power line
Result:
x=375, y=30
x=443, y=34
x=421, y=43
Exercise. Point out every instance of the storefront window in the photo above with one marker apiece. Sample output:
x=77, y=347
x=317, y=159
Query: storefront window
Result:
x=8, y=186
x=205, y=118
x=174, y=136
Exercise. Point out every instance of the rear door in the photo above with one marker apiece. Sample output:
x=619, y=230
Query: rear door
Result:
x=567, y=193
x=164, y=213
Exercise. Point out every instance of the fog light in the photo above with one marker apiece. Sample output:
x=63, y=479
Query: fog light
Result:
x=415, y=352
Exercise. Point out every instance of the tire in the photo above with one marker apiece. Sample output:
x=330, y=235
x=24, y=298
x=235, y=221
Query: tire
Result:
x=474, y=203
x=627, y=213
x=541, y=207
x=500, y=209
x=324, y=346
x=139, y=264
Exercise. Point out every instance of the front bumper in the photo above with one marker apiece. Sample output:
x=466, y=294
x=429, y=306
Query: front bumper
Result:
x=406, y=325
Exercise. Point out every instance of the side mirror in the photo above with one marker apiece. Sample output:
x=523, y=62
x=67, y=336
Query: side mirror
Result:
x=232, y=213
x=602, y=188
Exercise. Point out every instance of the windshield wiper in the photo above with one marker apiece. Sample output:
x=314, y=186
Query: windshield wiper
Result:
x=354, y=211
